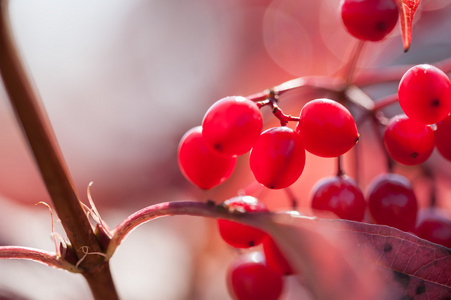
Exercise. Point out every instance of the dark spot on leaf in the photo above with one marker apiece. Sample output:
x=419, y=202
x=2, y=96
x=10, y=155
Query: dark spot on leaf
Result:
x=218, y=147
x=387, y=247
x=415, y=154
x=251, y=244
x=435, y=102
x=402, y=278
x=421, y=288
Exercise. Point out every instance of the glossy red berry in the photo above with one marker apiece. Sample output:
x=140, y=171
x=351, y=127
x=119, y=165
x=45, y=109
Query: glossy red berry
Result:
x=327, y=128
x=275, y=258
x=443, y=137
x=392, y=201
x=369, y=20
x=434, y=225
x=239, y=235
x=232, y=125
x=339, y=195
x=199, y=164
x=249, y=278
x=425, y=94
x=407, y=141
x=277, y=158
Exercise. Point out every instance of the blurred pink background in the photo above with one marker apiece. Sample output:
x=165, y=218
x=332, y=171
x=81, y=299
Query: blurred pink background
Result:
x=123, y=80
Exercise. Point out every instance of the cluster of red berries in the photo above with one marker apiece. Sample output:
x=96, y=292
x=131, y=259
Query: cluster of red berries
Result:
x=258, y=274
x=232, y=126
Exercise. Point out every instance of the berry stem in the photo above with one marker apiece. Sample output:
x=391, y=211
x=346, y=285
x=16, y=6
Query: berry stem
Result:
x=317, y=83
x=276, y=110
x=41, y=139
x=384, y=102
x=376, y=121
x=44, y=257
x=350, y=67
x=292, y=198
x=340, y=171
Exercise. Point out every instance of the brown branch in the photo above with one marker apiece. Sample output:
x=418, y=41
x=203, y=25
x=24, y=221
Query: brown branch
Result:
x=42, y=141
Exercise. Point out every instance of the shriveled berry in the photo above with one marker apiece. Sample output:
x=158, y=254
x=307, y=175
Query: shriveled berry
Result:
x=249, y=278
x=277, y=158
x=392, y=201
x=239, y=235
x=369, y=20
x=232, y=125
x=339, y=195
x=327, y=128
x=407, y=141
x=199, y=164
x=425, y=94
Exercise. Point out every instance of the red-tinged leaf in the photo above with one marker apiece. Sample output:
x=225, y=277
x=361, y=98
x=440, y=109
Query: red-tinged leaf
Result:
x=407, y=9
x=340, y=259
x=421, y=268
x=326, y=259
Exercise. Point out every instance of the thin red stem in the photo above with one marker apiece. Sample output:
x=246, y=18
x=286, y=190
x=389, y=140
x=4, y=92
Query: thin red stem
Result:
x=350, y=67
x=191, y=208
x=44, y=257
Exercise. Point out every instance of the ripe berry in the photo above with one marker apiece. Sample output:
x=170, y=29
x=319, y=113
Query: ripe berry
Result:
x=249, y=278
x=339, y=195
x=407, y=141
x=277, y=158
x=434, y=225
x=232, y=125
x=274, y=257
x=199, y=164
x=369, y=20
x=327, y=128
x=425, y=94
x=239, y=235
x=392, y=201
x=443, y=137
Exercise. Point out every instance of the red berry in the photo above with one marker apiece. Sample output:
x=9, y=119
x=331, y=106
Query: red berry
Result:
x=339, y=195
x=443, y=137
x=232, y=125
x=239, y=235
x=249, y=278
x=425, y=94
x=407, y=141
x=369, y=20
x=274, y=257
x=434, y=225
x=392, y=201
x=277, y=158
x=199, y=164
x=327, y=128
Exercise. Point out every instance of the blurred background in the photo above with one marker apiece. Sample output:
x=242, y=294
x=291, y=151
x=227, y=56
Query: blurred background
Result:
x=122, y=81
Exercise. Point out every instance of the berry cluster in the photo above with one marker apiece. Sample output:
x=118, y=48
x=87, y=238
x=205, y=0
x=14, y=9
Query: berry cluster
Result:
x=259, y=274
x=232, y=126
